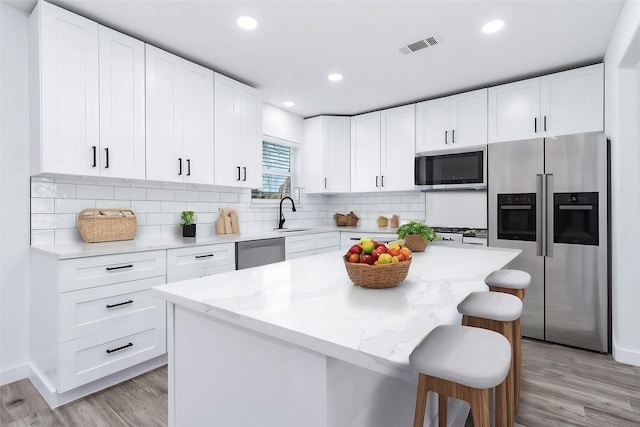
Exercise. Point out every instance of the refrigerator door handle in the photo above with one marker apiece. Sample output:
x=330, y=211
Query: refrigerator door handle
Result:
x=540, y=236
x=549, y=216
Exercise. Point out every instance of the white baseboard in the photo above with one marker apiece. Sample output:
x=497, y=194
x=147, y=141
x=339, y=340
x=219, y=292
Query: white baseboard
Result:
x=625, y=356
x=54, y=399
x=16, y=373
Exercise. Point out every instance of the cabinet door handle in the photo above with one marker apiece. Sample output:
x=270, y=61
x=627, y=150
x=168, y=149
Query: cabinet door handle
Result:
x=535, y=124
x=179, y=165
x=453, y=136
x=119, y=304
x=244, y=173
x=120, y=348
x=545, y=123
x=325, y=182
x=94, y=156
x=445, y=136
x=106, y=162
x=382, y=181
x=376, y=181
x=120, y=267
x=238, y=167
x=188, y=167
x=204, y=256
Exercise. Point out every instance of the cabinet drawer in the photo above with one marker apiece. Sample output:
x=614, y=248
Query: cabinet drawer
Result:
x=300, y=243
x=81, y=273
x=201, y=272
x=185, y=260
x=328, y=240
x=95, y=310
x=95, y=356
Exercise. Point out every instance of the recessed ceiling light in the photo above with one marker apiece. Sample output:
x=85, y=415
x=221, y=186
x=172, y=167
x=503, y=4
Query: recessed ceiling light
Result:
x=493, y=26
x=289, y=104
x=335, y=77
x=247, y=22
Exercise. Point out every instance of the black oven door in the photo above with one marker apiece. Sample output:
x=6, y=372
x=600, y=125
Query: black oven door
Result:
x=517, y=216
x=575, y=218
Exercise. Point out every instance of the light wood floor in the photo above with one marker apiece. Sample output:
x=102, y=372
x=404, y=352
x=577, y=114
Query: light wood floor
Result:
x=560, y=387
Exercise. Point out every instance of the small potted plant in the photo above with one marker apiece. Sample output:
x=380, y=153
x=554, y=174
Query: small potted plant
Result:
x=416, y=235
x=188, y=223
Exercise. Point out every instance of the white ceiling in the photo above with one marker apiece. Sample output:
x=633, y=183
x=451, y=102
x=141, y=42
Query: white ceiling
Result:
x=298, y=43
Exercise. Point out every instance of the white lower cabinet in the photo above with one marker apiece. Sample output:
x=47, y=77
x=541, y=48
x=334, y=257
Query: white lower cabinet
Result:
x=200, y=261
x=311, y=244
x=92, y=317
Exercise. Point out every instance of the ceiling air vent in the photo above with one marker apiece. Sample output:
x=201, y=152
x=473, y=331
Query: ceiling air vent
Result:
x=429, y=41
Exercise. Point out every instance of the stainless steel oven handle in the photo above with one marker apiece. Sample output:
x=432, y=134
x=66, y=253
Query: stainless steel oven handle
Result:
x=575, y=207
x=549, y=209
x=539, y=223
x=516, y=207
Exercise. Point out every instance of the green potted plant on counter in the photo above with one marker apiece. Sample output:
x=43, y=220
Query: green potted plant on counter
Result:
x=416, y=235
x=188, y=223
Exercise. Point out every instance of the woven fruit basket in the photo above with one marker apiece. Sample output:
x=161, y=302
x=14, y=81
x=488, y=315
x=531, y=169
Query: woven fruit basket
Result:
x=107, y=224
x=377, y=276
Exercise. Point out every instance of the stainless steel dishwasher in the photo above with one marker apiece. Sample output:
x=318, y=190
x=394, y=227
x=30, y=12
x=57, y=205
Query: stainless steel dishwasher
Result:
x=253, y=253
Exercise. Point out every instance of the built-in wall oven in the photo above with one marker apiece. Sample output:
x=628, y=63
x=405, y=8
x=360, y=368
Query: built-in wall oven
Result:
x=517, y=216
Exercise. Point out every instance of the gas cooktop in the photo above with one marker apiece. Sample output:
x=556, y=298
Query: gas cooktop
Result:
x=465, y=231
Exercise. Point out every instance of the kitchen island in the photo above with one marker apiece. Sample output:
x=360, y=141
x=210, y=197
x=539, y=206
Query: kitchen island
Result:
x=297, y=344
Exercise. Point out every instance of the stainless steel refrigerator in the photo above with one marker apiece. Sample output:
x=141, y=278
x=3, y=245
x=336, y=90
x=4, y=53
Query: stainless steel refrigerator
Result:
x=549, y=198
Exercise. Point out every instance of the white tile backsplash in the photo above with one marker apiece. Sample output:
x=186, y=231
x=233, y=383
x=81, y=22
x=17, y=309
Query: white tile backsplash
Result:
x=56, y=202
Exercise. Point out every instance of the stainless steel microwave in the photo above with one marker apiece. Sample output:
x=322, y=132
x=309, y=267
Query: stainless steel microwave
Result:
x=459, y=169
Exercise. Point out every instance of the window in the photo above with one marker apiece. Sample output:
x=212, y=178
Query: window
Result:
x=278, y=170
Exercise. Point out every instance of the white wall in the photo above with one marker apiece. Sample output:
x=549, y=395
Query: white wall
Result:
x=282, y=124
x=622, y=107
x=14, y=195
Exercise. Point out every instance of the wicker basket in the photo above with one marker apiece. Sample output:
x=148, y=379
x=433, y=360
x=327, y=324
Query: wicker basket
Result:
x=415, y=242
x=348, y=219
x=377, y=276
x=106, y=224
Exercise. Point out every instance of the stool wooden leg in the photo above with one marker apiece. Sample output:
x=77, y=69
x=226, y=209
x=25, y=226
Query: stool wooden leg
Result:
x=421, y=401
x=502, y=406
x=517, y=362
x=507, y=331
x=479, y=401
x=443, y=410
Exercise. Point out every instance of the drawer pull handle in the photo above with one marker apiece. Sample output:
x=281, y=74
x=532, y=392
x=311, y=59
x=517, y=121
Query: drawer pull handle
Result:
x=119, y=304
x=204, y=256
x=120, y=348
x=120, y=267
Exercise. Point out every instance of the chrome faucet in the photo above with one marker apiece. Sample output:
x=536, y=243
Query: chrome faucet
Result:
x=293, y=209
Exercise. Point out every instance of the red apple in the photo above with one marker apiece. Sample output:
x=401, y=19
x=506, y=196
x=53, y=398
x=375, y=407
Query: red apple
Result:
x=377, y=244
x=355, y=249
x=367, y=259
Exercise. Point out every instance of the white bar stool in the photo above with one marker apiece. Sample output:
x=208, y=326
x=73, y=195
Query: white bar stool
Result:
x=497, y=312
x=513, y=282
x=463, y=363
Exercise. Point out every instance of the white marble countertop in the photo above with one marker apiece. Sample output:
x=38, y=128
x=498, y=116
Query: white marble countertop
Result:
x=82, y=249
x=311, y=302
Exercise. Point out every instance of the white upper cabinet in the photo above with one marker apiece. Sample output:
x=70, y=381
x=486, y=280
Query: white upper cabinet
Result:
x=64, y=92
x=179, y=119
x=572, y=101
x=397, y=144
x=88, y=106
x=365, y=152
x=327, y=154
x=122, y=106
x=382, y=150
x=452, y=122
x=557, y=104
x=238, y=134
